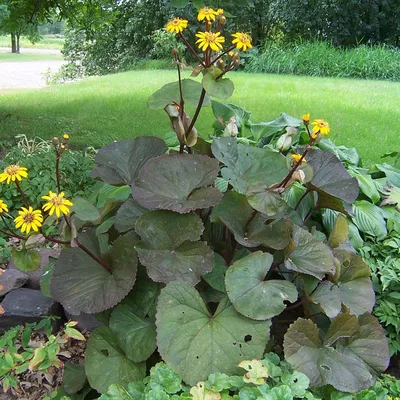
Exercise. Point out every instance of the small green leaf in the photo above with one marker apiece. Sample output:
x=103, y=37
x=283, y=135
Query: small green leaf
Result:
x=262, y=199
x=26, y=260
x=340, y=232
x=85, y=210
x=256, y=373
x=162, y=377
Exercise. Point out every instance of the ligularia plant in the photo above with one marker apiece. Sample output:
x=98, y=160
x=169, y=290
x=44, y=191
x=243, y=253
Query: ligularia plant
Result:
x=198, y=248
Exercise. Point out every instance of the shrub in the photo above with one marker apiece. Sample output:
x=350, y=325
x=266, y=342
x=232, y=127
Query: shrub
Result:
x=212, y=243
x=324, y=59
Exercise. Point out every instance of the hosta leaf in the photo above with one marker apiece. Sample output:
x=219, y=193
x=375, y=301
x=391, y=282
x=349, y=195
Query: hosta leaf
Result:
x=354, y=283
x=81, y=284
x=119, y=162
x=331, y=177
x=369, y=219
x=85, y=210
x=127, y=215
x=264, y=200
x=367, y=186
x=170, y=93
x=235, y=212
x=225, y=111
x=340, y=232
x=310, y=255
x=170, y=249
x=249, y=292
x=245, y=164
x=392, y=173
x=196, y=344
x=327, y=296
x=324, y=365
x=178, y=182
x=106, y=363
x=135, y=334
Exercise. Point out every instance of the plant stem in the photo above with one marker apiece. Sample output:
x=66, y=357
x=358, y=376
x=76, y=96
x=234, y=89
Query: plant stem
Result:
x=182, y=102
x=302, y=198
x=221, y=55
x=14, y=235
x=297, y=305
x=309, y=215
x=189, y=46
x=22, y=193
x=196, y=114
x=58, y=172
x=90, y=254
x=50, y=239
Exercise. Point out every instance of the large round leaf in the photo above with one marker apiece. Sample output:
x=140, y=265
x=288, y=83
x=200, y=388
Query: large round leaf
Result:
x=81, y=284
x=178, y=182
x=196, y=344
x=327, y=296
x=310, y=256
x=250, y=294
x=170, y=249
x=264, y=200
x=170, y=93
x=106, y=364
x=352, y=351
x=355, y=283
x=220, y=88
x=235, y=212
x=127, y=215
x=136, y=335
x=119, y=162
x=246, y=164
x=331, y=177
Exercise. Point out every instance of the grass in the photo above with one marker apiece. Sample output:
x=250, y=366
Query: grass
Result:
x=6, y=57
x=47, y=42
x=95, y=111
x=323, y=59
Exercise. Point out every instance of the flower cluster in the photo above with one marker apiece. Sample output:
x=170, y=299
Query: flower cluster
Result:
x=319, y=126
x=211, y=39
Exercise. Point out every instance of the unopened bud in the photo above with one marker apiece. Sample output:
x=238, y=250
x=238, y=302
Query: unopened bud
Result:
x=175, y=51
x=236, y=63
x=236, y=57
x=222, y=20
x=54, y=140
x=221, y=63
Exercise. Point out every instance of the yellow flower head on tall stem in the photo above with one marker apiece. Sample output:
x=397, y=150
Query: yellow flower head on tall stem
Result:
x=320, y=127
x=3, y=207
x=28, y=219
x=56, y=203
x=207, y=14
x=306, y=118
x=12, y=173
x=242, y=41
x=210, y=39
x=177, y=25
x=297, y=157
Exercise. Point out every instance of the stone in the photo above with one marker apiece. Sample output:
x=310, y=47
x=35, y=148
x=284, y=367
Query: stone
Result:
x=10, y=280
x=6, y=396
x=86, y=322
x=26, y=305
x=34, y=276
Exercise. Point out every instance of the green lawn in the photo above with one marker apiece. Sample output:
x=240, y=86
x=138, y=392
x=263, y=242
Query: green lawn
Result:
x=47, y=42
x=95, y=111
x=6, y=57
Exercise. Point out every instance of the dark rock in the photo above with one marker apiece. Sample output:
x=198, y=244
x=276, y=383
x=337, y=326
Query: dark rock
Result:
x=11, y=279
x=86, y=322
x=34, y=276
x=6, y=396
x=26, y=305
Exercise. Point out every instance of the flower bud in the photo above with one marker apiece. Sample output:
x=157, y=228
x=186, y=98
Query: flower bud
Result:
x=221, y=63
x=284, y=142
x=54, y=141
x=222, y=20
x=175, y=51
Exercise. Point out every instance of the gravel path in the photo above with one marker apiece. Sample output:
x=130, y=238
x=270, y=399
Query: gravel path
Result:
x=27, y=74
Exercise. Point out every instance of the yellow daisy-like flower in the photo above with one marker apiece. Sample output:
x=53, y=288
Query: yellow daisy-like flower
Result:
x=220, y=11
x=3, y=207
x=306, y=118
x=28, y=219
x=320, y=126
x=296, y=158
x=56, y=202
x=177, y=25
x=12, y=173
x=210, y=39
x=242, y=41
x=65, y=136
x=207, y=13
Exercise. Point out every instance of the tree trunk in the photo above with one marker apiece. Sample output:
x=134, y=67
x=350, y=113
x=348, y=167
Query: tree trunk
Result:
x=13, y=43
x=18, y=36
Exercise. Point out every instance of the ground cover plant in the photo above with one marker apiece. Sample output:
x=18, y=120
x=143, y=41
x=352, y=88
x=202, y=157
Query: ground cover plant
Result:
x=201, y=246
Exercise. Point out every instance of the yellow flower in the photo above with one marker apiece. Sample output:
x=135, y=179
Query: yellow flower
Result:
x=242, y=41
x=12, y=173
x=306, y=118
x=177, y=25
x=3, y=207
x=320, y=126
x=210, y=39
x=28, y=219
x=65, y=136
x=220, y=11
x=314, y=136
x=56, y=202
x=297, y=157
x=207, y=13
